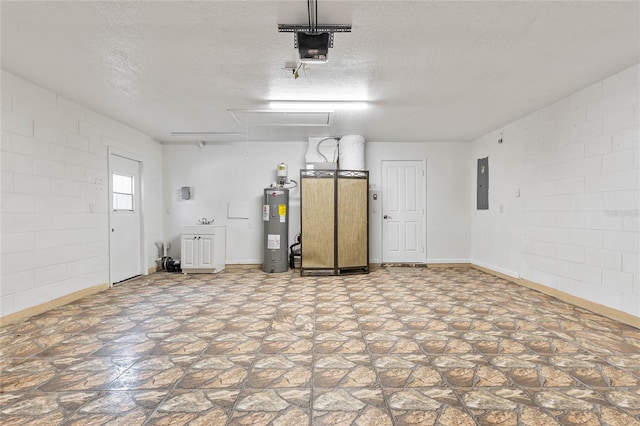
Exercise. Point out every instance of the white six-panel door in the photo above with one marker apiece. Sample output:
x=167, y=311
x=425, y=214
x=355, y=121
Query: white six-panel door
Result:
x=403, y=212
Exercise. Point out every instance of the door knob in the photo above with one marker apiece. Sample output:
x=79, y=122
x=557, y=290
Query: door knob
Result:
x=387, y=217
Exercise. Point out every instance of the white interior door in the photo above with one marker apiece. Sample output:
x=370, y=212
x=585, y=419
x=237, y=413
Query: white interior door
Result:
x=125, y=218
x=403, y=214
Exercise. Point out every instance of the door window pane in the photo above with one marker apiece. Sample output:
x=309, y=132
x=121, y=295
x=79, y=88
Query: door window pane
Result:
x=122, y=192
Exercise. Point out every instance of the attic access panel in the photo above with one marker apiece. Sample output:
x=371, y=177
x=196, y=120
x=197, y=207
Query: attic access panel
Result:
x=283, y=118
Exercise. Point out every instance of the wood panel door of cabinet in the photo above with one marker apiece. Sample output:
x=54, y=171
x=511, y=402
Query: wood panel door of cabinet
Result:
x=205, y=251
x=352, y=223
x=189, y=251
x=317, y=223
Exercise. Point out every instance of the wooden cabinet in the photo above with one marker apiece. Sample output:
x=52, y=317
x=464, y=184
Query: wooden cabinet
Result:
x=202, y=249
x=334, y=222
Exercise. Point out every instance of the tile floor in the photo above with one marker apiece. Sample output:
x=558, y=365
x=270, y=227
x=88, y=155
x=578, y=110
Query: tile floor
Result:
x=395, y=347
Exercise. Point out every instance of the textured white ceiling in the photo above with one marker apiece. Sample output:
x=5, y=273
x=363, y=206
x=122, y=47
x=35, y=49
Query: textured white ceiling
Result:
x=431, y=70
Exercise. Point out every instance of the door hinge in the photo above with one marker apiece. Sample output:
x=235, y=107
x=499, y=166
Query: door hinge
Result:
x=423, y=172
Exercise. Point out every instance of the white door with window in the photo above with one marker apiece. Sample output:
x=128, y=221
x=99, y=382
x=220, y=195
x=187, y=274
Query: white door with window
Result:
x=403, y=212
x=125, y=219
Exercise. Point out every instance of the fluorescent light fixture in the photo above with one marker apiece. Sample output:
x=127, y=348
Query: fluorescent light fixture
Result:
x=317, y=105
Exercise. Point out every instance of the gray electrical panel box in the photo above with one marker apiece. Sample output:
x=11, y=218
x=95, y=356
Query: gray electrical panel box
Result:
x=275, y=215
x=483, y=183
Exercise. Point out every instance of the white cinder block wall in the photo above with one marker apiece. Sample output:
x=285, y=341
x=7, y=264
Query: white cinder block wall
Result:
x=54, y=222
x=237, y=173
x=575, y=225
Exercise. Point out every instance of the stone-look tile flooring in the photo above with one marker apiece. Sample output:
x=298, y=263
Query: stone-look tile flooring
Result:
x=395, y=347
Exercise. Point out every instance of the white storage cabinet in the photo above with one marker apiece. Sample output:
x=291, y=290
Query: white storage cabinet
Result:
x=202, y=249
